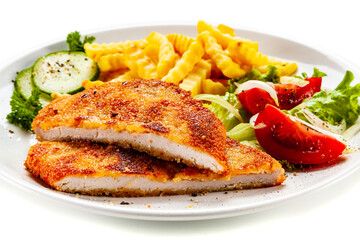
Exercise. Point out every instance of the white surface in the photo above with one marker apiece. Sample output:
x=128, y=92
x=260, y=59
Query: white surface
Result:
x=327, y=213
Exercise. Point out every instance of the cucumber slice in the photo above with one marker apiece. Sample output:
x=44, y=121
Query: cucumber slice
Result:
x=24, y=85
x=63, y=72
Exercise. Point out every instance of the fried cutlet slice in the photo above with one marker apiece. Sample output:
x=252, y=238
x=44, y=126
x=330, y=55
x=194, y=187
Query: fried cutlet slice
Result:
x=97, y=169
x=147, y=115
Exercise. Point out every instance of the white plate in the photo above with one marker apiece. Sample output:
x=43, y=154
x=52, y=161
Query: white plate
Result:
x=14, y=146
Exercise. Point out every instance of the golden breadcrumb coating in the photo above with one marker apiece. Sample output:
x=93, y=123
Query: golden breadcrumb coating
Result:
x=139, y=106
x=54, y=161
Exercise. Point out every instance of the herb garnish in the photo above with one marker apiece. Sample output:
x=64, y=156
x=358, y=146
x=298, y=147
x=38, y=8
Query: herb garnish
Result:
x=23, y=111
x=75, y=43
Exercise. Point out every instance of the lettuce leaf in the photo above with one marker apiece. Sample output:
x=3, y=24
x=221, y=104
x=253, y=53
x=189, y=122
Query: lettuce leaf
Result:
x=335, y=106
x=270, y=76
x=252, y=143
x=228, y=118
x=242, y=132
x=317, y=73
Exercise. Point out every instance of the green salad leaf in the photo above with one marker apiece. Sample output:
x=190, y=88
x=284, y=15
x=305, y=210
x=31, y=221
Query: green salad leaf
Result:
x=334, y=106
x=242, y=132
x=74, y=41
x=226, y=108
x=24, y=111
x=252, y=143
x=270, y=76
x=317, y=73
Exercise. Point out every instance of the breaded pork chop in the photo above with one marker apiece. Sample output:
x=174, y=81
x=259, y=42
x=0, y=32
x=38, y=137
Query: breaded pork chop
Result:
x=147, y=115
x=96, y=169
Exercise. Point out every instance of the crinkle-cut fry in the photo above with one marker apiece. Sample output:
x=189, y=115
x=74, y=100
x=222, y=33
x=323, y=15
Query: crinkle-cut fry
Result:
x=177, y=58
x=192, y=82
x=204, y=66
x=284, y=69
x=139, y=63
x=166, y=53
x=152, y=51
x=186, y=63
x=262, y=69
x=245, y=67
x=287, y=69
x=211, y=87
x=89, y=84
x=193, y=86
x=95, y=50
x=233, y=51
x=252, y=57
x=229, y=68
x=112, y=62
x=247, y=42
x=107, y=76
x=223, y=38
x=180, y=42
x=128, y=76
x=226, y=29
x=56, y=95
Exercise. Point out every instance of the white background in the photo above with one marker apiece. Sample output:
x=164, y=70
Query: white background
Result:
x=329, y=213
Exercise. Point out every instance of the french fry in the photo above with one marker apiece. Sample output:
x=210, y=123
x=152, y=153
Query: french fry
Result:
x=112, y=62
x=128, y=76
x=222, y=61
x=139, y=63
x=226, y=29
x=152, y=51
x=187, y=62
x=258, y=59
x=211, y=87
x=285, y=69
x=108, y=76
x=95, y=50
x=180, y=42
x=166, y=53
x=224, y=39
x=192, y=82
x=184, y=60
x=89, y=84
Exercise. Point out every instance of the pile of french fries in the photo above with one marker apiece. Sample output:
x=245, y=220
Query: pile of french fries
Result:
x=191, y=63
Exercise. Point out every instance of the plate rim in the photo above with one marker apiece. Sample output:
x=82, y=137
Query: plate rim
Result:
x=175, y=215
